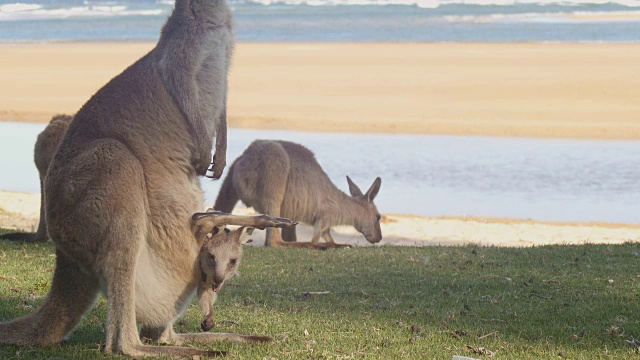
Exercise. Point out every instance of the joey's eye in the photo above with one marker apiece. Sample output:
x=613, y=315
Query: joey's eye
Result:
x=213, y=257
x=233, y=262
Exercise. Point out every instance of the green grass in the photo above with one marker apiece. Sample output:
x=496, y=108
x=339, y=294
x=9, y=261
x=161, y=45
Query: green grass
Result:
x=576, y=302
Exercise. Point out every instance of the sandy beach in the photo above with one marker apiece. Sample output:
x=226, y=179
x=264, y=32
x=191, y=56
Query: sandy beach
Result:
x=531, y=90
x=520, y=90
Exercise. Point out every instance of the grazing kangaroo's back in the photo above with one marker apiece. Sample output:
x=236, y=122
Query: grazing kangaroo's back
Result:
x=282, y=178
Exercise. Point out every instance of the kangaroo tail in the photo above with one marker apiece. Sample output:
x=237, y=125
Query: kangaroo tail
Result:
x=227, y=197
x=18, y=236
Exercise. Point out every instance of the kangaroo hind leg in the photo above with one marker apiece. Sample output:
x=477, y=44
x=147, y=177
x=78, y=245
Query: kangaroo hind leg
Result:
x=72, y=294
x=118, y=199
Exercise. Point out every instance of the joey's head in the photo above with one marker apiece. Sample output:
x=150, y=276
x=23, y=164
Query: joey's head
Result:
x=221, y=253
x=367, y=221
x=221, y=248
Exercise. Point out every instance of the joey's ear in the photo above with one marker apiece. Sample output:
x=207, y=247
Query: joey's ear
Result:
x=245, y=235
x=373, y=190
x=210, y=235
x=216, y=230
x=353, y=188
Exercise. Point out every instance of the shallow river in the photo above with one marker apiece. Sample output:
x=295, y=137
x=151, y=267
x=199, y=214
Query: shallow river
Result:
x=541, y=179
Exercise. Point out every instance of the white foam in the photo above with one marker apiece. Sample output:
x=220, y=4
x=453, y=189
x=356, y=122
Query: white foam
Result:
x=437, y=3
x=18, y=7
x=575, y=16
x=39, y=13
x=418, y=3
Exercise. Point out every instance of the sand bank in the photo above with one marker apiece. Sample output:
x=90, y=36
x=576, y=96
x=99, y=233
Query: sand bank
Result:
x=21, y=211
x=533, y=90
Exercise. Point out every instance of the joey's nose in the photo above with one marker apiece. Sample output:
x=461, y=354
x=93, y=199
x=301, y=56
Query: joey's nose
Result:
x=218, y=280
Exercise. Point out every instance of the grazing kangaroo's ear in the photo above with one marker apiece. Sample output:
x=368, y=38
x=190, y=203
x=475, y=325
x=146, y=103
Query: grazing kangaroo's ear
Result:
x=245, y=233
x=373, y=190
x=353, y=188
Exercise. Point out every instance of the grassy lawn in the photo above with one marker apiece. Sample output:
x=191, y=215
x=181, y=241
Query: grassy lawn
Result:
x=576, y=302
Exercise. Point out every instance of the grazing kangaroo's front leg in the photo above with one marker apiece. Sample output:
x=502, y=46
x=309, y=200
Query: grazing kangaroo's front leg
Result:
x=326, y=235
x=317, y=231
x=329, y=240
x=321, y=230
x=289, y=235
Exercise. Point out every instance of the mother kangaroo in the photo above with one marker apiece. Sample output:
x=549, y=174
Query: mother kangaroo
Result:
x=123, y=186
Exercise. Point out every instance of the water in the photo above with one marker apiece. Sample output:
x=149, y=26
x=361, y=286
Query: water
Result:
x=540, y=179
x=336, y=20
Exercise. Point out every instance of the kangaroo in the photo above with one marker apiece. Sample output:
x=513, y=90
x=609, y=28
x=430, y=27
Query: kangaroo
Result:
x=123, y=186
x=219, y=259
x=46, y=145
x=282, y=178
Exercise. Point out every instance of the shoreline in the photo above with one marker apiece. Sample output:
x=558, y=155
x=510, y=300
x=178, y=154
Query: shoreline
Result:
x=21, y=211
x=537, y=90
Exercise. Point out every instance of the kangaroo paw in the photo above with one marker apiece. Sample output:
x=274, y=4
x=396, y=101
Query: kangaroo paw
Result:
x=216, y=168
x=207, y=324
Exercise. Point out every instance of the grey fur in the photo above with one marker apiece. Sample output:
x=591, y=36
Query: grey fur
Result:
x=45, y=148
x=282, y=178
x=122, y=187
x=219, y=260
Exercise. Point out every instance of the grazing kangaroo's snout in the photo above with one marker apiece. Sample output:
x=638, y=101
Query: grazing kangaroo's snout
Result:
x=369, y=223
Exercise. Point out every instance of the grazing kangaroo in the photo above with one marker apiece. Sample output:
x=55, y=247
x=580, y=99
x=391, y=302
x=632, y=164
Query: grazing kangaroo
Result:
x=219, y=259
x=281, y=178
x=46, y=145
x=123, y=185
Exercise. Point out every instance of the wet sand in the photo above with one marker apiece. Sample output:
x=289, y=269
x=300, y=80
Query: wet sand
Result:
x=21, y=211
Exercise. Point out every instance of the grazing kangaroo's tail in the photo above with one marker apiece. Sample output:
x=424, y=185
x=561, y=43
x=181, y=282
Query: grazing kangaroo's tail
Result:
x=227, y=197
x=72, y=293
x=18, y=236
